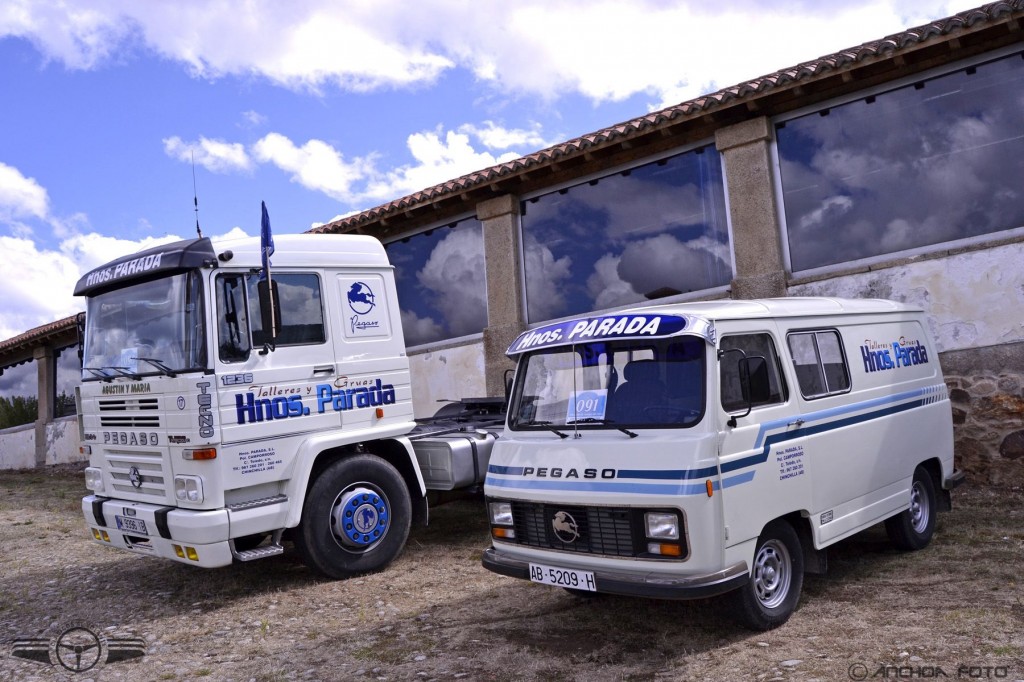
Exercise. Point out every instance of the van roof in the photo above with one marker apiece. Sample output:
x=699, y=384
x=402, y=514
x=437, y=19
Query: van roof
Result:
x=792, y=306
x=663, y=321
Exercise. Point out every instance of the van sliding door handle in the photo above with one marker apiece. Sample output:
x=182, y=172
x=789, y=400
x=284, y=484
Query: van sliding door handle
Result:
x=798, y=423
x=323, y=369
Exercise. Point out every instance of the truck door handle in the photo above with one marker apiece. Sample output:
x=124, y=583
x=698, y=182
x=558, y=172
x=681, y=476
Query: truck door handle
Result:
x=798, y=423
x=323, y=369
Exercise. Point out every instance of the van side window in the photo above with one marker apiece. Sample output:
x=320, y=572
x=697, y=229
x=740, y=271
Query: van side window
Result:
x=302, y=311
x=820, y=363
x=751, y=345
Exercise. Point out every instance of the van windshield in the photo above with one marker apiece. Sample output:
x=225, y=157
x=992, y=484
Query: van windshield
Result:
x=612, y=385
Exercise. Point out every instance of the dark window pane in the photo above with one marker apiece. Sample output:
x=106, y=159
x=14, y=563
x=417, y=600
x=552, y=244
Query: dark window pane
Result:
x=441, y=281
x=906, y=169
x=302, y=311
x=656, y=231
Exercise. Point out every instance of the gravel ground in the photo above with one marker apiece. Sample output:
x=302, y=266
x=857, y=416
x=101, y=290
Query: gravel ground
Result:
x=954, y=610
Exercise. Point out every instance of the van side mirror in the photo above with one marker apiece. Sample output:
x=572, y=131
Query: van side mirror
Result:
x=270, y=312
x=754, y=384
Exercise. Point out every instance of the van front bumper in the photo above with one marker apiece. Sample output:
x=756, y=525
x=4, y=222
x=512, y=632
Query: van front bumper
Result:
x=638, y=584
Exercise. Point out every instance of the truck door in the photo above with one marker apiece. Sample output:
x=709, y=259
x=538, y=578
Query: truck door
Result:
x=268, y=393
x=752, y=464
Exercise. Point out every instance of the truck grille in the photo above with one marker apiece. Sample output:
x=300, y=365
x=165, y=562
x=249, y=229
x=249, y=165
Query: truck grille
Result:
x=152, y=481
x=609, y=531
x=130, y=413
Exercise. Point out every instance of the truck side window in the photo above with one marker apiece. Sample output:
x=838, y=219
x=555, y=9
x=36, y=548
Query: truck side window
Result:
x=751, y=345
x=819, y=362
x=232, y=321
x=302, y=311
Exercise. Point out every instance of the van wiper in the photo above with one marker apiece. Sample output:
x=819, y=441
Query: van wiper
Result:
x=551, y=429
x=161, y=366
x=594, y=420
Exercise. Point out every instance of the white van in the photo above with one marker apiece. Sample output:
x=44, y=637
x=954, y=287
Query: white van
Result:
x=693, y=450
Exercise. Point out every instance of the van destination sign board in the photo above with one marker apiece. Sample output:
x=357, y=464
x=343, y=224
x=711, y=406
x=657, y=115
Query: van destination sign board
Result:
x=605, y=328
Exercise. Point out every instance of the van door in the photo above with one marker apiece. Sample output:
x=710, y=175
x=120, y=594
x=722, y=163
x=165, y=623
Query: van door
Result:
x=763, y=475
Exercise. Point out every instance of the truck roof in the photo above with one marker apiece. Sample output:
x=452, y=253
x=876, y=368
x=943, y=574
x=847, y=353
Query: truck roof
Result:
x=308, y=250
x=699, y=319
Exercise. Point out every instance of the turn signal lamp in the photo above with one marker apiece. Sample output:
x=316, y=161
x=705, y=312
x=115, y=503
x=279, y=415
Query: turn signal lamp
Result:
x=201, y=453
x=664, y=549
x=710, y=486
x=506, y=533
x=379, y=412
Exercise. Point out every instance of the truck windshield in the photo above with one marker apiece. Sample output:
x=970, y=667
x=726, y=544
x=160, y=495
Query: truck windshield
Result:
x=149, y=328
x=612, y=385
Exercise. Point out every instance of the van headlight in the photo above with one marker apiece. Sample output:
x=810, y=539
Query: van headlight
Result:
x=501, y=513
x=188, y=488
x=662, y=525
x=94, y=479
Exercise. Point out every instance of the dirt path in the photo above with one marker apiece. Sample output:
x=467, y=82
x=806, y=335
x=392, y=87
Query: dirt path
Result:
x=954, y=609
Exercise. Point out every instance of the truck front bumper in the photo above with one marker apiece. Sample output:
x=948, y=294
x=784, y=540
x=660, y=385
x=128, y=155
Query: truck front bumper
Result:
x=196, y=537
x=638, y=584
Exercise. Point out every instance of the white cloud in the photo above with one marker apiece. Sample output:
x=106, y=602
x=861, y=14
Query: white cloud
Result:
x=315, y=165
x=21, y=197
x=604, y=50
x=494, y=136
x=215, y=156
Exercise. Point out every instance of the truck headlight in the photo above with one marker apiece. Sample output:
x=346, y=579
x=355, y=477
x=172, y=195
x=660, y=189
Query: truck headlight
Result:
x=94, y=479
x=662, y=525
x=501, y=513
x=188, y=488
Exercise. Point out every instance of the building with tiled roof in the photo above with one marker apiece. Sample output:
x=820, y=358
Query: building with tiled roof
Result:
x=890, y=169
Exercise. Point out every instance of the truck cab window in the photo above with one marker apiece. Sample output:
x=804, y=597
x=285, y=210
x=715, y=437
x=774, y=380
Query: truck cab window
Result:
x=751, y=345
x=302, y=310
x=232, y=319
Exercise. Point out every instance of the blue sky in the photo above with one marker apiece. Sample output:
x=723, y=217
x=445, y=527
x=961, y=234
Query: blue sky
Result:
x=325, y=108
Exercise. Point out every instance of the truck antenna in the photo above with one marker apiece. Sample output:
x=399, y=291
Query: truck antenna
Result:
x=195, y=193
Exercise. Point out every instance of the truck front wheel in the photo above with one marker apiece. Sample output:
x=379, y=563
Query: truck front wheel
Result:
x=356, y=518
x=770, y=595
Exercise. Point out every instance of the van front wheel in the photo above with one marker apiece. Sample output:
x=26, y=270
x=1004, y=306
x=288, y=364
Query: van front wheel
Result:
x=771, y=594
x=913, y=528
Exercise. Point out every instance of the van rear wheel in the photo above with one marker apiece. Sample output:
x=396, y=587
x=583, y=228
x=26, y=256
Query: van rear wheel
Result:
x=913, y=528
x=771, y=594
x=356, y=518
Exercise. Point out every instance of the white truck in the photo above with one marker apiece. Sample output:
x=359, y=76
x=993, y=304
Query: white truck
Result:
x=717, y=448
x=221, y=409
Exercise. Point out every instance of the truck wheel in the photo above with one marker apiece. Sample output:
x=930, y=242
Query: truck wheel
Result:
x=771, y=594
x=913, y=528
x=356, y=518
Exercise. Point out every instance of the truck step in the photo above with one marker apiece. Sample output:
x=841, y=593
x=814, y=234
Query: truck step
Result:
x=259, y=553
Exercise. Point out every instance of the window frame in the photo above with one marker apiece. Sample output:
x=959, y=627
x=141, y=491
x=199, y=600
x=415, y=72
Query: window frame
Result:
x=813, y=333
x=780, y=374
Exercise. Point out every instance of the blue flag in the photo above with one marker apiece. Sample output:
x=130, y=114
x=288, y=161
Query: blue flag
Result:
x=266, y=241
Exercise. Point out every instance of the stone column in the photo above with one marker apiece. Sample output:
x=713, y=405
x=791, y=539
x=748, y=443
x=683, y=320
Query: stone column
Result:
x=46, y=365
x=756, y=233
x=505, y=321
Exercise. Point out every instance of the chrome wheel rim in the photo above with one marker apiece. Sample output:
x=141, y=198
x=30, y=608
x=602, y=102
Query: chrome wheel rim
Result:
x=773, y=574
x=919, y=512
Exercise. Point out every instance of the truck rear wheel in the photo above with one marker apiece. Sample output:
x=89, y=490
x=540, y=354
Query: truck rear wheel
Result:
x=356, y=518
x=771, y=594
x=913, y=528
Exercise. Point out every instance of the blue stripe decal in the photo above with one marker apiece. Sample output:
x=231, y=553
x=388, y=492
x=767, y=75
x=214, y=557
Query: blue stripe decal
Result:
x=616, y=486
x=754, y=460
x=508, y=471
x=656, y=474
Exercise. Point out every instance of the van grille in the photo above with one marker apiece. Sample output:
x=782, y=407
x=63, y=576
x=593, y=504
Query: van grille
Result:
x=130, y=413
x=608, y=531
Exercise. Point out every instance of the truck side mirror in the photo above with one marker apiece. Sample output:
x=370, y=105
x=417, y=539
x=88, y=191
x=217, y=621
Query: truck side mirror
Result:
x=270, y=311
x=510, y=375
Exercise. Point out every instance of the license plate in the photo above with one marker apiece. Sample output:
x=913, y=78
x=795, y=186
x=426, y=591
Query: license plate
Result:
x=563, y=577
x=131, y=525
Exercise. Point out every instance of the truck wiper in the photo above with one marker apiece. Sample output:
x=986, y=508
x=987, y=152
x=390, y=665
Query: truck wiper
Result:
x=98, y=372
x=161, y=366
x=123, y=371
x=551, y=429
x=594, y=420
